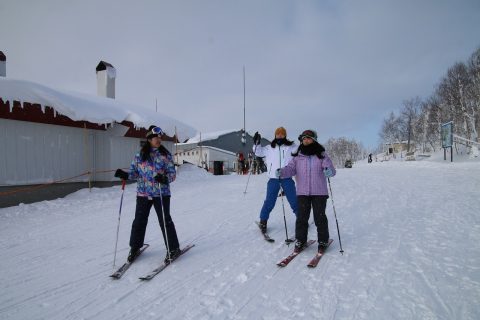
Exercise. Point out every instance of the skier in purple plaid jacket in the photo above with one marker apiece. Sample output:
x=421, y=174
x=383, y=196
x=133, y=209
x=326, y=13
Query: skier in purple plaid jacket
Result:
x=311, y=166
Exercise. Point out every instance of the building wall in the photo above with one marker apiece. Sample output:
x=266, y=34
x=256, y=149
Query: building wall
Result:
x=35, y=153
x=209, y=156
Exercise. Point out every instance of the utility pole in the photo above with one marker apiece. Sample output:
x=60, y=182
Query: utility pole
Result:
x=244, y=134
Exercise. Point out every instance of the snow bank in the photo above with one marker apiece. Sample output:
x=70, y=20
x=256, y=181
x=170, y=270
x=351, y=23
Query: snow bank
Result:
x=188, y=173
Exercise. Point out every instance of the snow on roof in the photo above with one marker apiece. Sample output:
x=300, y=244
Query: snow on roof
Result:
x=84, y=107
x=208, y=136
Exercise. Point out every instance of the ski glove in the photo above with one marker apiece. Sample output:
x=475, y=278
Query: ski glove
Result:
x=121, y=174
x=278, y=173
x=161, y=178
x=328, y=172
x=256, y=138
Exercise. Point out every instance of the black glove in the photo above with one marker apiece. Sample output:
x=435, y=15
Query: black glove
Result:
x=121, y=174
x=161, y=178
x=256, y=138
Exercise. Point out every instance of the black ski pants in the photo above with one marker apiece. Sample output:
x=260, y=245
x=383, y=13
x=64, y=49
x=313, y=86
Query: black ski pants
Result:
x=139, y=225
x=305, y=203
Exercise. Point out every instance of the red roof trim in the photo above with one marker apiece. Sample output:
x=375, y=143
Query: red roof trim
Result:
x=33, y=113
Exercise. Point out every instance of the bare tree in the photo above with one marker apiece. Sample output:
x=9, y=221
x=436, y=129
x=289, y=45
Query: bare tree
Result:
x=456, y=98
x=474, y=73
x=453, y=90
x=409, y=117
x=342, y=149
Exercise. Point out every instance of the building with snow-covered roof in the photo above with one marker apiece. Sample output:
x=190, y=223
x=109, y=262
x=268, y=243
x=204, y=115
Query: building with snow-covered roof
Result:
x=397, y=147
x=48, y=135
x=208, y=157
x=205, y=149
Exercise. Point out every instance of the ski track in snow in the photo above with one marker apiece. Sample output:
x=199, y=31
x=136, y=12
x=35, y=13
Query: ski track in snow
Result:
x=410, y=232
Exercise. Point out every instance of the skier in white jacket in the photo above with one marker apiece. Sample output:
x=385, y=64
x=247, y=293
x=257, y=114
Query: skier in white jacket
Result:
x=277, y=155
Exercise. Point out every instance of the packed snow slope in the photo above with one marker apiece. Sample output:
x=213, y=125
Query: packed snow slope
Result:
x=410, y=231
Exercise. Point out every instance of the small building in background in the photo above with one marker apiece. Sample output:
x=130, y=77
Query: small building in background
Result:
x=205, y=149
x=397, y=147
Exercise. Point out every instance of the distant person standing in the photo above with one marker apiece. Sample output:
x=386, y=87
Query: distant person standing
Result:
x=154, y=170
x=277, y=155
x=370, y=158
x=240, y=163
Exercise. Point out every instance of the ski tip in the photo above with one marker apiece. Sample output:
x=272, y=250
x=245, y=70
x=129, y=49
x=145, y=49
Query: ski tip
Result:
x=116, y=275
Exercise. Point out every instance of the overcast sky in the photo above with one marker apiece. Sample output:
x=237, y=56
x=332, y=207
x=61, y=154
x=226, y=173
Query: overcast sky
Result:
x=335, y=66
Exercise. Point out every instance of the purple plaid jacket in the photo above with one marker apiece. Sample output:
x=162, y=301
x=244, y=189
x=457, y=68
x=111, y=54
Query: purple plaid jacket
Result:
x=308, y=171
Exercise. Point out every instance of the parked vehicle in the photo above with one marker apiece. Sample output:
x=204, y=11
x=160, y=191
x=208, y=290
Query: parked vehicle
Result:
x=348, y=163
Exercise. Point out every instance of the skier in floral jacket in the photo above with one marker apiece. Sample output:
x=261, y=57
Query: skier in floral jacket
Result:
x=154, y=170
x=311, y=166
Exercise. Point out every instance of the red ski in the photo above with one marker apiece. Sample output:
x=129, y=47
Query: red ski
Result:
x=313, y=263
x=292, y=255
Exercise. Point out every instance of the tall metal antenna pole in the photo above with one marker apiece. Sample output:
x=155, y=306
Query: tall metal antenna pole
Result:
x=244, y=138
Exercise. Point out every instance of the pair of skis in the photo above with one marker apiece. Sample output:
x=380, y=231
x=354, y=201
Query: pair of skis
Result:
x=315, y=260
x=312, y=264
x=119, y=273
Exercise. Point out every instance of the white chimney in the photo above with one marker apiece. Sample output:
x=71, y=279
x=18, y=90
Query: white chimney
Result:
x=106, y=75
x=3, y=65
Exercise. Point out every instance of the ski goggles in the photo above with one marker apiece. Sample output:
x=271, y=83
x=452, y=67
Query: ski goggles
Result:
x=307, y=134
x=156, y=131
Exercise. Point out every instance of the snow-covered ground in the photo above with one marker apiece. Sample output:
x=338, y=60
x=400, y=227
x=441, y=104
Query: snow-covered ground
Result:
x=410, y=231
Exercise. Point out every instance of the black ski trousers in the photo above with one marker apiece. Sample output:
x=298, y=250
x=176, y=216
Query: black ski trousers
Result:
x=139, y=225
x=305, y=203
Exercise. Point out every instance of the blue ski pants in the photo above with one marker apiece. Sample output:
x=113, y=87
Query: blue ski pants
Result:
x=273, y=187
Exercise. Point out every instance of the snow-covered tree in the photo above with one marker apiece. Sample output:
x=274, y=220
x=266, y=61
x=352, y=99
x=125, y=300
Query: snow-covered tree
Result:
x=456, y=98
x=342, y=149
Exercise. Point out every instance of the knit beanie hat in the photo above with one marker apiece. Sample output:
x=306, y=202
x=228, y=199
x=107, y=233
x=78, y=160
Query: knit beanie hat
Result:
x=281, y=131
x=308, y=134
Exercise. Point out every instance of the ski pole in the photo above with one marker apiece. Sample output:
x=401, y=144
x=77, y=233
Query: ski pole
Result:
x=287, y=239
x=335, y=213
x=164, y=222
x=250, y=171
x=118, y=225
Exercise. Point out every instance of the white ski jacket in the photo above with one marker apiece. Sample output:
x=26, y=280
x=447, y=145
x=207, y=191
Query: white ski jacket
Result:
x=275, y=158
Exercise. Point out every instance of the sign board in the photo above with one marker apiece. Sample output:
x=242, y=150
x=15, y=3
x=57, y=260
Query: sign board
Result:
x=447, y=134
